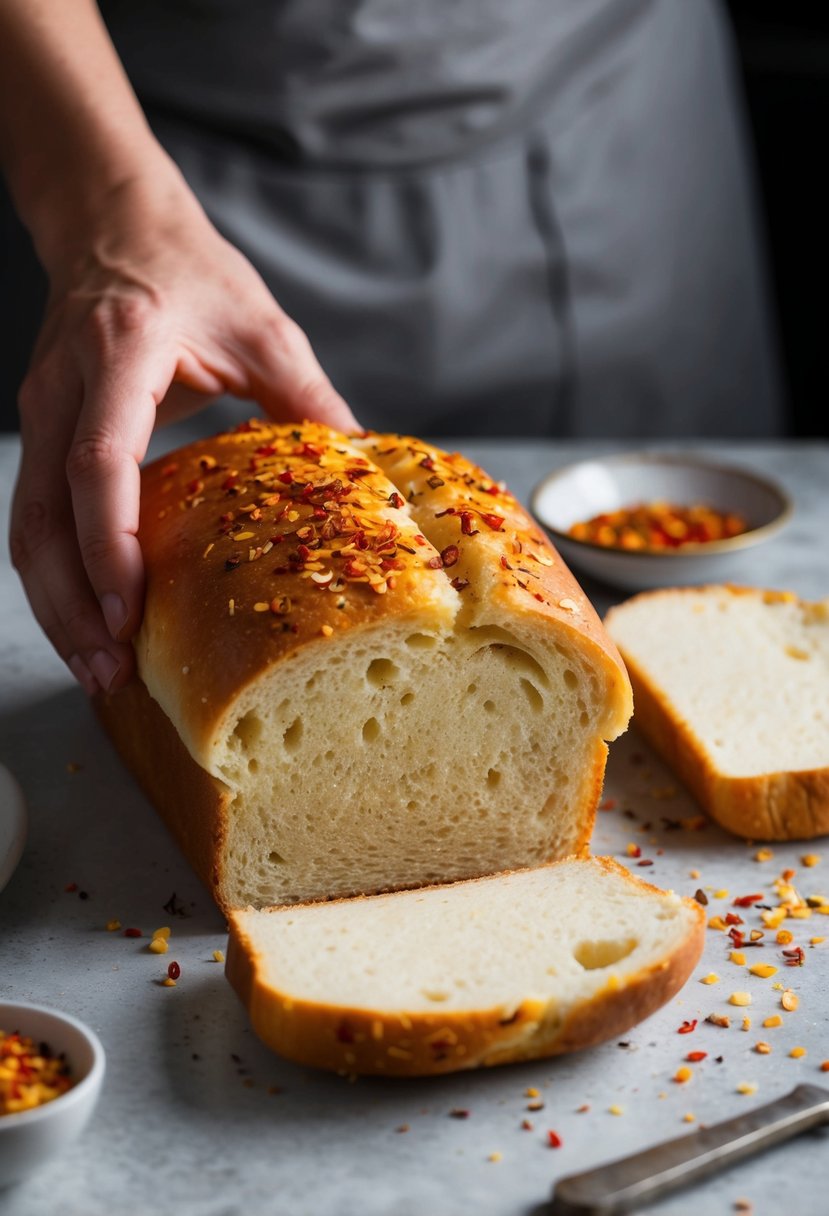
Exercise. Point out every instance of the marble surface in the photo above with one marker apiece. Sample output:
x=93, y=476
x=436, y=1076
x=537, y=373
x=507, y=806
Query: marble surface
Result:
x=199, y=1119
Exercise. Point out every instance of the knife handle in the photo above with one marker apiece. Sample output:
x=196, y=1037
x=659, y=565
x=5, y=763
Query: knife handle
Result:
x=643, y=1177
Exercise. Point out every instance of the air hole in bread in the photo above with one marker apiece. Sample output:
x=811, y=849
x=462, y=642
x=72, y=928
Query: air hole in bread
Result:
x=435, y=994
x=421, y=641
x=595, y=955
x=382, y=672
x=533, y=695
x=293, y=736
x=493, y=778
x=371, y=730
x=489, y=706
x=248, y=730
x=407, y=698
x=504, y=645
x=571, y=679
x=276, y=859
x=471, y=690
x=253, y=765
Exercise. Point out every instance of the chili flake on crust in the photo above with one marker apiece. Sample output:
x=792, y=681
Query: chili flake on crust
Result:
x=30, y=1075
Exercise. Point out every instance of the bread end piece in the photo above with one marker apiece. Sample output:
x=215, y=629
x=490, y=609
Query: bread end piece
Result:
x=773, y=805
x=370, y=1038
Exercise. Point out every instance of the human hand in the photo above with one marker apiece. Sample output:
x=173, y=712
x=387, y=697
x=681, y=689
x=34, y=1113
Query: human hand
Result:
x=151, y=314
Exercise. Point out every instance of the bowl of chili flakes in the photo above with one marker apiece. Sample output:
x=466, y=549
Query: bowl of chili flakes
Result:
x=51, y=1071
x=640, y=520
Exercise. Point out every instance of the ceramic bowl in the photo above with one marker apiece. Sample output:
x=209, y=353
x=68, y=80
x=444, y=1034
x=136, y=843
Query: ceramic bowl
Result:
x=580, y=491
x=30, y=1137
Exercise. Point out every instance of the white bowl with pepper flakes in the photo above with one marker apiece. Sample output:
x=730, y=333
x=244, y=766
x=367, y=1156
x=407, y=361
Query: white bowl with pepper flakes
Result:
x=642, y=520
x=51, y=1071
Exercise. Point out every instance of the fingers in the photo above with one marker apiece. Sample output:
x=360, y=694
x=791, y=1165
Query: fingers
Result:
x=287, y=380
x=102, y=465
x=43, y=542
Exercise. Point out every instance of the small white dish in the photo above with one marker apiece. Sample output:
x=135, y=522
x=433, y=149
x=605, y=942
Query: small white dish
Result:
x=12, y=825
x=28, y=1138
x=581, y=491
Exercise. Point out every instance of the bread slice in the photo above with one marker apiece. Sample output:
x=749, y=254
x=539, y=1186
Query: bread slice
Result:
x=362, y=667
x=731, y=686
x=513, y=967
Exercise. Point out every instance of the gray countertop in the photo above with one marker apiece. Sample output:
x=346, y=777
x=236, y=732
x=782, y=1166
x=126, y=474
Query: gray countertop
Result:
x=197, y=1117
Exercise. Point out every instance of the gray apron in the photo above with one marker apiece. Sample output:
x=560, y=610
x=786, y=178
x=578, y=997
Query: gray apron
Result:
x=530, y=217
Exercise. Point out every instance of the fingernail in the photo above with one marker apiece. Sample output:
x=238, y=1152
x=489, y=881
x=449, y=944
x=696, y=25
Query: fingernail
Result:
x=115, y=613
x=83, y=675
x=104, y=668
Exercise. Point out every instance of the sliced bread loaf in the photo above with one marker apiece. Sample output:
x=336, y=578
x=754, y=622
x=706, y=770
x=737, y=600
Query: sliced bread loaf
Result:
x=512, y=967
x=731, y=686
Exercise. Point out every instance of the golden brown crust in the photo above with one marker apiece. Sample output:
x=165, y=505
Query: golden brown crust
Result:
x=769, y=806
x=270, y=538
x=502, y=553
x=374, y=1042
x=192, y=803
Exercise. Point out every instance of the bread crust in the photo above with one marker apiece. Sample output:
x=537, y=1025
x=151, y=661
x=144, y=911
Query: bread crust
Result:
x=768, y=806
x=407, y=1044
x=192, y=803
x=222, y=607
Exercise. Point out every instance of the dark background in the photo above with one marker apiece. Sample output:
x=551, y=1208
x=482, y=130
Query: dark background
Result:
x=783, y=46
x=784, y=52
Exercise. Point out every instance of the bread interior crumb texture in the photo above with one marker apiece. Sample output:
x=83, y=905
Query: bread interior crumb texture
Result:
x=742, y=669
x=560, y=933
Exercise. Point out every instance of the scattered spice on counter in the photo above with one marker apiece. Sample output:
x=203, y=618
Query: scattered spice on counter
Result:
x=459, y=1112
x=775, y=1020
x=797, y=1053
x=740, y=998
x=747, y=1087
x=495, y=1157
x=688, y=1027
x=554, y=1139
x=616, y=1110
x=789, y=1000
x=174, y=970
x=763, y=1049
x=112, y=926
x=218, y=956
x=719, y=1019
x=133, y=933
x=30, y=1075
x=694, y=1057
x=711, y=978
x=682, y=1075
x=810, y=859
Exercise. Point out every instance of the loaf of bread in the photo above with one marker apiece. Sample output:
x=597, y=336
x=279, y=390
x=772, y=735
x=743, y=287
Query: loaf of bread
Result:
x=526, y=964
x=731, y=686
x=362, y=667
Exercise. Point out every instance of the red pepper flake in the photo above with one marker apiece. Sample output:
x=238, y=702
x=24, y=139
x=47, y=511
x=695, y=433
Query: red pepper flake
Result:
x=687, y=1027
x=468, y=524
x=435, y=482
x=397, y=500
x=795, y=957
x=132, y=933
x=737, y=938
x=731, y=918
x=554, y=1139
x=459, y=1112
x=609, y=804
x=496, y=522
x=230, y=481
x=435, y=563
x=312, y=451
x=174, y=971
x=233, y=562
x=645, y=862
x=267, y=449
x=745, y=901
x=527, y=1125
x=286, y=477
x=449, y=556
x=71, y=887
x=169, y=470
x=427, y=463
x=460, y=584
x=694, y=1057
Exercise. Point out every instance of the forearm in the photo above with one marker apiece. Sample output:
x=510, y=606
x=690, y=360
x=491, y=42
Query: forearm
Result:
x=71, y=130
